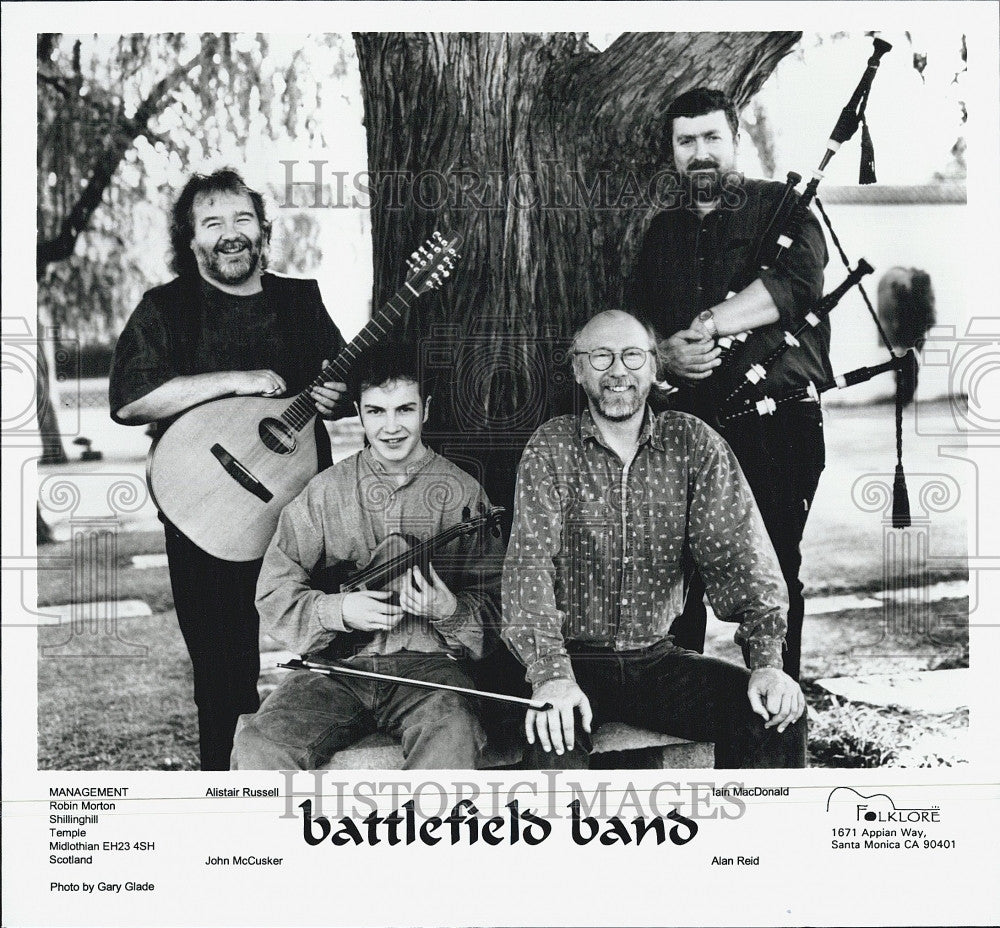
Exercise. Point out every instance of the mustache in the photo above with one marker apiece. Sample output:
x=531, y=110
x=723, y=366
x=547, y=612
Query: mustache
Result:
x=703, y=165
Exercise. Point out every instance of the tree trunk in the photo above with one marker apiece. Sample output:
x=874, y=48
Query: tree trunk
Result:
x=546, y=155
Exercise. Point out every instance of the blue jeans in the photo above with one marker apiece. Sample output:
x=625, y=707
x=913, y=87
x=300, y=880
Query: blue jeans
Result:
x=311, y=716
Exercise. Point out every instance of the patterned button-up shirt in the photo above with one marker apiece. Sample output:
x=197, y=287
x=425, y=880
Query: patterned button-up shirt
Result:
x=341, y=517
x=596, y=550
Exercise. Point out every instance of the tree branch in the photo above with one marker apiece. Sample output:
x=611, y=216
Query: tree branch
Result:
x=54, y=82
x=107, y=160
x=641, y=72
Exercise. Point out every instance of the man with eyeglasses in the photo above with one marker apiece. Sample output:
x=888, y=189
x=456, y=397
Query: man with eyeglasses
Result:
x=593, y=576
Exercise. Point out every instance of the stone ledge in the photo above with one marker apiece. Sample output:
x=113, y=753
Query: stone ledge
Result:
x=651, y=749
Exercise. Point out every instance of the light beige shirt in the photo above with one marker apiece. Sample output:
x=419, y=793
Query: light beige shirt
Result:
x=343, y=514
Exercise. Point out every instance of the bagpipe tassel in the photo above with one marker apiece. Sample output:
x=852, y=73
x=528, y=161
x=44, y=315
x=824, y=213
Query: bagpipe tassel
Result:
x=900, y=496
x=900, y=500
x=866, y=174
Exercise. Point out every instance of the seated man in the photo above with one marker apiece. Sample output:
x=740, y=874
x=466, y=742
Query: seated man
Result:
x=593, y=576
x=395, y=486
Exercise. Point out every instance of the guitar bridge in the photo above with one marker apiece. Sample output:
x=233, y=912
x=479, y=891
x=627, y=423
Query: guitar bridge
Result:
x=241, y=475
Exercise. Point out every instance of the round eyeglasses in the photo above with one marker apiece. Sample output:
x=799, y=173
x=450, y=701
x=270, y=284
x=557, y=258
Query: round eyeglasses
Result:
x=602, y=358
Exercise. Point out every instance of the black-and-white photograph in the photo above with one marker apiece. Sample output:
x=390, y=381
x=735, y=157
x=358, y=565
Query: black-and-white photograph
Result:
x=456, y=453
x=502, y=400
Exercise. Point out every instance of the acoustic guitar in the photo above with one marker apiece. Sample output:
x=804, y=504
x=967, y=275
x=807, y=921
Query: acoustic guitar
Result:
x=225, y=469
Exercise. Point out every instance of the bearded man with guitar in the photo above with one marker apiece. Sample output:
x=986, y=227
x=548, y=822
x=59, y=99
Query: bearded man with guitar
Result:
x=393, y=498
x=222, y=328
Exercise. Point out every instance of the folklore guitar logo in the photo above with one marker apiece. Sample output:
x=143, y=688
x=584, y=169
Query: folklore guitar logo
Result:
x=878, y=807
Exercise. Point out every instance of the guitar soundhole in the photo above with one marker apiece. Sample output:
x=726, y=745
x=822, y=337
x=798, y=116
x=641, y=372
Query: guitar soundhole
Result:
x=277, y=436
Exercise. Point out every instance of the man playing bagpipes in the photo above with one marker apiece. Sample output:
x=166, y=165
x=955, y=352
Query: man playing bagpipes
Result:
x=699, y=278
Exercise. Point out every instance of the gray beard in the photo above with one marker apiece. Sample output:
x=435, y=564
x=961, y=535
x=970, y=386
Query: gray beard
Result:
x=233, y=273
x=617, y=410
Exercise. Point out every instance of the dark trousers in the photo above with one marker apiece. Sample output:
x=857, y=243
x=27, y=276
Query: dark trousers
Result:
x=214, y=600
x=784, y=488
x=677, y=692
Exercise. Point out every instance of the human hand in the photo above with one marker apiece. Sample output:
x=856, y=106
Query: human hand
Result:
x=326, y=396
x=699, y=328
x=258, y=383
x=370, y=611
x=690, y=354
x=555, y=727
x=428, y=597
x=775, y=697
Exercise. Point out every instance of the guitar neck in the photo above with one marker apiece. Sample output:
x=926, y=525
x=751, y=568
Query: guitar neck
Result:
x=301, y=410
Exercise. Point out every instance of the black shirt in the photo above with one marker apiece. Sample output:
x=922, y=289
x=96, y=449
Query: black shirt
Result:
x=689, y=263
x=190, y=327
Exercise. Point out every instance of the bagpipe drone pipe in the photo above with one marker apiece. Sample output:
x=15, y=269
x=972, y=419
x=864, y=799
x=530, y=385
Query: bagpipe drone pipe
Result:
x=740, y=388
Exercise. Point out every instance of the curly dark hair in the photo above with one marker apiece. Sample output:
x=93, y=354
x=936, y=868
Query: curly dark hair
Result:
x=225, y=180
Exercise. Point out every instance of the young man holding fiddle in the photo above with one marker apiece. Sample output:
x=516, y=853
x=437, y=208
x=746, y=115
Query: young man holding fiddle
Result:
x=394, y=486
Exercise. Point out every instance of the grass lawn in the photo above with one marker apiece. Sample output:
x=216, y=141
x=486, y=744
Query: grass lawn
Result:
x=151, y=585
x=111, y=713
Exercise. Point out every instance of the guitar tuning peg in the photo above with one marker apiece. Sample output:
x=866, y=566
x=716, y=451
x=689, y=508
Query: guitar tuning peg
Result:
x=466, y=513
x=495, y=530
x=438, y=236
x=445, y=274
x=414, y=257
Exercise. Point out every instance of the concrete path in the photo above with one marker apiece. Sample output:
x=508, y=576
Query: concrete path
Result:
x=936, y=691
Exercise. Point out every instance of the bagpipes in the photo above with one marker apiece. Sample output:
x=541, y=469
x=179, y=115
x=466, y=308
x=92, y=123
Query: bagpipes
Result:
x=905, y=362
x=736, y=397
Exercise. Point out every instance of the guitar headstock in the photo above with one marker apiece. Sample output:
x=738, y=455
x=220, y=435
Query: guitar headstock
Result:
x=433, y=262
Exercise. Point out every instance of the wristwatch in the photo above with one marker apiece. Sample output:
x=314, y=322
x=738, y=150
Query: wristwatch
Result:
x=707, y=319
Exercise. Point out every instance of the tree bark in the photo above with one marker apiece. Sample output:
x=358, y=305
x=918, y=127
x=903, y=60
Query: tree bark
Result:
x=545, y=154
